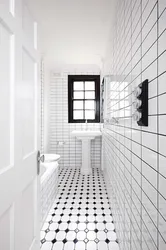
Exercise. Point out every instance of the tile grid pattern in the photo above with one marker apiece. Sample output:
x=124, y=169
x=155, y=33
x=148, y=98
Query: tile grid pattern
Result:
x=60, y=130
x=49, y=190
x=135, y=157
x=80, y=217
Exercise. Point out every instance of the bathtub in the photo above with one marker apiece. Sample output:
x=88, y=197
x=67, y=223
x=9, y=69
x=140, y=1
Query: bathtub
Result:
x=49, y=186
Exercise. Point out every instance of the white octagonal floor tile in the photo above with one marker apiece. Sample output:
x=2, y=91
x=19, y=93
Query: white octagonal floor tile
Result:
x=47, y=246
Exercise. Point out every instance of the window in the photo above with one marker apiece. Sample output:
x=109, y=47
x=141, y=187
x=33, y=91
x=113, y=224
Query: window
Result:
x=84, y=98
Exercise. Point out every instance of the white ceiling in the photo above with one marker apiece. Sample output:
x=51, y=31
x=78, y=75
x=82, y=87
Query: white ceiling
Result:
x=73, y=31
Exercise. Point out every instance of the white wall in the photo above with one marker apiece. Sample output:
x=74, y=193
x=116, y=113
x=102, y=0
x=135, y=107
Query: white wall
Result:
x=57, y=129
x=135, y=157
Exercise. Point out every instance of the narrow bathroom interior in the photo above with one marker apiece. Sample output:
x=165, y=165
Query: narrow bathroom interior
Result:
x=76, y=213
x=105, y=120
x=83, y=124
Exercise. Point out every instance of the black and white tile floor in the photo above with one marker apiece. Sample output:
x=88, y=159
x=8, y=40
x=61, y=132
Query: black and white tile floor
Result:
x=80, y=218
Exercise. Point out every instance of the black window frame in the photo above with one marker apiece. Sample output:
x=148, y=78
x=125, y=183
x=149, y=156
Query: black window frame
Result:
x=84, y=78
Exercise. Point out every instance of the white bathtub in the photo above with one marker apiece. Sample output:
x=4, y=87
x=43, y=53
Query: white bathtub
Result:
x=49, y=186
x=46, y=169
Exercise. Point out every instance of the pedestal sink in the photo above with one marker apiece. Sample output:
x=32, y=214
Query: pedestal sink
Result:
x=86, y=136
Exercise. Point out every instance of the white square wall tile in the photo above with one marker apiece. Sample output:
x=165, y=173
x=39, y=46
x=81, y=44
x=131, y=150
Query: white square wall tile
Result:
x=162, y=6
x=162, y=145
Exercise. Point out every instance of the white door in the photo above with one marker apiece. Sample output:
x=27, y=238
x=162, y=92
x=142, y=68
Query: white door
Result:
x=19, y=212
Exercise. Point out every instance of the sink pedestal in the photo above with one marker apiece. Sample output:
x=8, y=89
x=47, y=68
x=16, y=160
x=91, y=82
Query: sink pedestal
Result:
x=86, y=157
x=86, y=136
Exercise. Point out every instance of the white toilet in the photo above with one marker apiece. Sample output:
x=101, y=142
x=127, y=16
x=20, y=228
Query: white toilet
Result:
x=51, y=157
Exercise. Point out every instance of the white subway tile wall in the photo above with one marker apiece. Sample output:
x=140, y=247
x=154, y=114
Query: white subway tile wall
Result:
x=60, y=140
x=49, y=190
x=135, y=157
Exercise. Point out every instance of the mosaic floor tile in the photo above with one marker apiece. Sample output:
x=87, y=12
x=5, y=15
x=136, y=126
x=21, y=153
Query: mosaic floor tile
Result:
x=80, y=217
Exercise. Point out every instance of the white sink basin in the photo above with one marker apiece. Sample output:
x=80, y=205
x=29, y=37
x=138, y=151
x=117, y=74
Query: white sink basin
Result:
x=86, y=136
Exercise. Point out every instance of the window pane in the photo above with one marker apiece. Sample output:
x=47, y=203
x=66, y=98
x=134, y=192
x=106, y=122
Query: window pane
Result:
x=89, y=105
x=78, y=95
x=78, y=114
x=78, y=86
x=90, y=95
x=89, y=85
x=78, y=105
x=90, y=114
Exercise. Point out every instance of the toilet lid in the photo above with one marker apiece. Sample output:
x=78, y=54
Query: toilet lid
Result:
x=51, y=157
